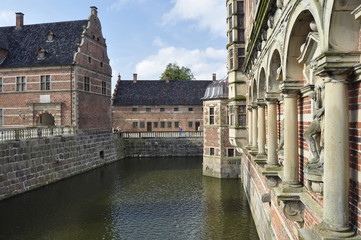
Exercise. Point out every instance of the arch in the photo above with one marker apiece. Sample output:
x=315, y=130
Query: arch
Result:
x=297, y=31
x=339, y=22
x=262, y=84
x=45, y=119
x=254, y=91
x=275, y=72
x=298, y=36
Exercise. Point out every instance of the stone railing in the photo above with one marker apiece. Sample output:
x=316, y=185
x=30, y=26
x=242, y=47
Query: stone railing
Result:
x=7, y=134
x=176, y=134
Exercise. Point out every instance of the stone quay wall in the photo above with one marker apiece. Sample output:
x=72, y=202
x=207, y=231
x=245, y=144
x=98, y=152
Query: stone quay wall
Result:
x=162, y=147
x=31, y=163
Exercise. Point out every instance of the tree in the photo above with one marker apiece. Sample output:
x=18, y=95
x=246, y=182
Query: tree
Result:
x=174, y=72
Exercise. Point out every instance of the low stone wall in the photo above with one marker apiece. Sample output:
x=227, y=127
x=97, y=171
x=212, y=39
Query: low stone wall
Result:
x=163, y=147
x=31, y=163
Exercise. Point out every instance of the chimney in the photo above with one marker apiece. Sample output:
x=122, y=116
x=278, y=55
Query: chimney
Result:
x=167, y=78
x=135, y=77
x=19, y=20
x=119, y=78
x=214, y=77
x=94, y=10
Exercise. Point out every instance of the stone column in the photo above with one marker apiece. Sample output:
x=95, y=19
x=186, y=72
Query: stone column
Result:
x=254, y=129
x=290, y=170
x=272, y=158
x=249, y=125
x=261, y=134
x=336, y=159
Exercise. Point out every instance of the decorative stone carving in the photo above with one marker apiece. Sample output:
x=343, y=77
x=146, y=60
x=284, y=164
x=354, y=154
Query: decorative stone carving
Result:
x=279, y=4
x=272, y=181
x=314, y=134
x=270, y=22
x=266, y=198
x=294, y=211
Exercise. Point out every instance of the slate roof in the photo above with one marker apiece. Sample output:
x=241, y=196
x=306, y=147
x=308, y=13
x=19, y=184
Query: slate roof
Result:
x=175, y=92
x=217, y=90
x=24, y=43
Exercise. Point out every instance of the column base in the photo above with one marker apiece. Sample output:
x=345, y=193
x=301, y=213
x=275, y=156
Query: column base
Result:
x=253, y=151
x=272, y=167
x=261, y=158
x=292, y=188
x=249, y=147
x=324, y=232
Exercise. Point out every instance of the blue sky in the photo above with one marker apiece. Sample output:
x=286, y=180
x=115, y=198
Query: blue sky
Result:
x=143, y=36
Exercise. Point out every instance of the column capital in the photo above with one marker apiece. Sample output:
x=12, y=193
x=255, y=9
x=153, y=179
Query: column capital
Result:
x=289, y=93
x=254, y=105
x=249, y=107
x=261, y=102
x=272, y=97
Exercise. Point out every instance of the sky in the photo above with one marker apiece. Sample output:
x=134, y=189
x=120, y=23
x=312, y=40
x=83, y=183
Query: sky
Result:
x=143, y=36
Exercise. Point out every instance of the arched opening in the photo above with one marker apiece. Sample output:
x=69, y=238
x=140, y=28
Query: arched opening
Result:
x=299, y=33
x=275, y=75
x=343, y=24
x=254, y=92
x=262, y=84
x=46, y=119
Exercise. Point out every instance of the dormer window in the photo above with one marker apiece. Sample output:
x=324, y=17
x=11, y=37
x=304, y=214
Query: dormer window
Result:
x=41, y=54
x=50, y=36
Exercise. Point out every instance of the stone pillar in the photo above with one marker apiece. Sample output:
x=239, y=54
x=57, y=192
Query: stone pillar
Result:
x=336, y=159
x=272, y=158
x=254, y=129
x=261, y=133
x=249, y=126
x=290, y=170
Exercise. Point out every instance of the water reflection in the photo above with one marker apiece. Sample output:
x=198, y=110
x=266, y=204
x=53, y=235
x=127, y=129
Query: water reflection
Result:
x=165, y=198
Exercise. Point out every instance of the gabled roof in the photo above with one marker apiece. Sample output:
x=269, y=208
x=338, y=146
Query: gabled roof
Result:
x=24, y=43
x=175, y=92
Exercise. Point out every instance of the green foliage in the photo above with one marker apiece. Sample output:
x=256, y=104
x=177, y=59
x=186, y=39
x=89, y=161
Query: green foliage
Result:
x=174, y=72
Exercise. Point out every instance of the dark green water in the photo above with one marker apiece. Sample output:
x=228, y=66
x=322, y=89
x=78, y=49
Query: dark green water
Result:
x=166, y=198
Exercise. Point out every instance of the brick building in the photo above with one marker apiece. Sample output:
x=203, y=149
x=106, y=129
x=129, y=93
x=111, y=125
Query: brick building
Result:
x=220, y=158
x=300, y=77
x=158, y=105
x=55, y=74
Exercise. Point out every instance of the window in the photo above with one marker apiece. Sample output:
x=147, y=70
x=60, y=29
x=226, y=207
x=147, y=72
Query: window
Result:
x=176, y=124
x=148, y=109
x=50, y=36
x=241, y=36
x=169, y=124
x=190, y=109
x=176, y=109
x=230, y=152
x=162, y=124
x=211, y=115
x=1, y=117
x=231, y=116
x=155, y=124
x=240, y=7
x=104, y=87
x=135, y=124
x=161, y=109
x=101, y=64
x=134, y=109
x=211, y=151
x=20, y=84
x=41, y=54
x=240, y=20
x=1, y=84
x=142, y=125
x=190, y=124
x=89, y=59
x=230, y=9
x=86, y=84
x=242, y=119
x=45, y=82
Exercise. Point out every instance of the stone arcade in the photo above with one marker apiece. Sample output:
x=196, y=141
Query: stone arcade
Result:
x=300, y=76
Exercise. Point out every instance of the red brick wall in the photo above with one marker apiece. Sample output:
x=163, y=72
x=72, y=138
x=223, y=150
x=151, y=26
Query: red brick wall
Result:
x=123, y=117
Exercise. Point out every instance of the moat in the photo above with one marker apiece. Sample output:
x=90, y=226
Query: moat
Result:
x=150, y=198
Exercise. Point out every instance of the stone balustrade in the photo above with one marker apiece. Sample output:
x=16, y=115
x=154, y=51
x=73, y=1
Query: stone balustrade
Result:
x=159, y=134
x=8, y=134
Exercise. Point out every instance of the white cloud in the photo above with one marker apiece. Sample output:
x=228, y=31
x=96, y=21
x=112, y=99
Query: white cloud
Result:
x=158, y=42
x=208, y=14
x=201, y=62
x=7, y=18
x=120, y=3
